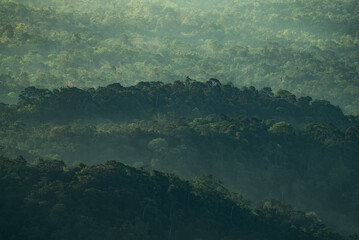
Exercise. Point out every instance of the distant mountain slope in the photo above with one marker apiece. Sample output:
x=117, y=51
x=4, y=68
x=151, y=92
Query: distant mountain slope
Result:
x=48, y=200
x=306, y=47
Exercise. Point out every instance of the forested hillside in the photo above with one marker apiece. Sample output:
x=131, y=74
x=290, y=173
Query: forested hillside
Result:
x=262, y=95
x=306, y=47
x=49, y=200
x=258, y=143
x=189, y=99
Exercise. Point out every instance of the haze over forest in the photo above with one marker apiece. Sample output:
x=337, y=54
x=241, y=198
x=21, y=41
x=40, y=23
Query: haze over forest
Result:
x=306, y=47
x=254, y=103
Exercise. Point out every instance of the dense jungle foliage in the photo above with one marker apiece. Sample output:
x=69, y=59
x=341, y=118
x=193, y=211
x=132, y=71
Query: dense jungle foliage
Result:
x=258, y=143
x=306, y=47
x=49, y=200
x=189, y=99
x=231, y=90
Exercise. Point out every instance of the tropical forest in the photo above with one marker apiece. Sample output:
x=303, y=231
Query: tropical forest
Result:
x=179, y=119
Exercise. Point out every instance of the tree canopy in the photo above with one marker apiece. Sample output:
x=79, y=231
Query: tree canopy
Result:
x=49, y=200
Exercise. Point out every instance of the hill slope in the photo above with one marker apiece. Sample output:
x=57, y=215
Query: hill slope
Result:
x=169, y=127
x=112, y=201
x=307, y=47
